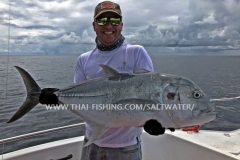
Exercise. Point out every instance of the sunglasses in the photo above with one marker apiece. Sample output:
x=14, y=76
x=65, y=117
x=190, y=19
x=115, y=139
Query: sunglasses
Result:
x=103, y=21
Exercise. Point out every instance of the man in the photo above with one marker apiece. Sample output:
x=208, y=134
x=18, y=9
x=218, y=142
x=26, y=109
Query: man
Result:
x=116, y=143
x=111, y=49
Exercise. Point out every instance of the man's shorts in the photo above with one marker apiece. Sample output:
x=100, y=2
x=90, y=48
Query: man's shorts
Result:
x=94, y=152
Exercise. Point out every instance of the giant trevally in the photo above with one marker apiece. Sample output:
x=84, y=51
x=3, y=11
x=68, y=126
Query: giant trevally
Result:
x=143, y=96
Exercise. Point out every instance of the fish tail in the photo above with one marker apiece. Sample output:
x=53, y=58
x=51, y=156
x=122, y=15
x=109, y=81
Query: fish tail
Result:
x=33, y=93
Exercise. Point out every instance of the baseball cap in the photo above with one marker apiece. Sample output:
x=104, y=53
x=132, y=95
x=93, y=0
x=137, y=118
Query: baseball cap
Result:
x=107, y=6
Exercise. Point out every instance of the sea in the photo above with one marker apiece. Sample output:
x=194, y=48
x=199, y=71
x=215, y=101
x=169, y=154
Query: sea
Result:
x=217, y=76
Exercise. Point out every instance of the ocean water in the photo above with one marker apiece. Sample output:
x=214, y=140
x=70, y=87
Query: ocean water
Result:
x=217, y=76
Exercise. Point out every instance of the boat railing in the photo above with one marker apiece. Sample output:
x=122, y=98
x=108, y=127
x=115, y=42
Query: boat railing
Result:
x=33, y=134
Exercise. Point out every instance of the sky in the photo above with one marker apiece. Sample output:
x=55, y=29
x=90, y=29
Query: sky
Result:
x=174, y=26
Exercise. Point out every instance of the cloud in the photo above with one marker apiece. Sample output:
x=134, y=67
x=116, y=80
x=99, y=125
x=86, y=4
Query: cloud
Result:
x=27, y=40
x=202, y=25
x=71, y=39
x=208, y=20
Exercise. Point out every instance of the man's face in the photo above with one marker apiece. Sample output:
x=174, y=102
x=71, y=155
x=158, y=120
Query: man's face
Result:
x=108, y=34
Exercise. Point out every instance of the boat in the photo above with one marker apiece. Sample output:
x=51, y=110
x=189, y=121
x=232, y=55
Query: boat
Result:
x=178, y=145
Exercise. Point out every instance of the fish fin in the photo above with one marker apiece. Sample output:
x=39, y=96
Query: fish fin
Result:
x=33, y=93
x=29, y=103
x=146, y=103
x=108, y=70
x=140, y=71
x=98, y=131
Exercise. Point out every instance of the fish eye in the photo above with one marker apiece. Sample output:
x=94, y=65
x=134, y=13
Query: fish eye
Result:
x=197, y=94
x=171, y=96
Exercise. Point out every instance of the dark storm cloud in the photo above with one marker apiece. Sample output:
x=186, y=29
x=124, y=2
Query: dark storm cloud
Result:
x=206, y=23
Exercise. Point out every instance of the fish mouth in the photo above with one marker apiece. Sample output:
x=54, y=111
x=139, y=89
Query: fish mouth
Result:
x=208, y=111
x=209, y=116
x=206, y=117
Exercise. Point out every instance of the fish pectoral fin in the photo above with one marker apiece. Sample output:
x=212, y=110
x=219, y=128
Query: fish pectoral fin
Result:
x=98, y=131
x=146, y=105
x=140, y=71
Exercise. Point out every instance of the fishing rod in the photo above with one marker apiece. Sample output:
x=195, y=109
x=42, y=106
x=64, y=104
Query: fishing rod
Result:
x=8, y=52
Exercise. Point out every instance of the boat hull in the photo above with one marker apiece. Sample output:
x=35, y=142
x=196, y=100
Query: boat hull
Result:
x=178, y=145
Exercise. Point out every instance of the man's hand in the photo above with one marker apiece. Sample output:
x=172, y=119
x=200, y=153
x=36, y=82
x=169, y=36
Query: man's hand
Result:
x=153, y=127
x=48, y=97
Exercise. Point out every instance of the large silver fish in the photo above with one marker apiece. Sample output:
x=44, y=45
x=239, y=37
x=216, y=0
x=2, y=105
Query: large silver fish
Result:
x=129, y=100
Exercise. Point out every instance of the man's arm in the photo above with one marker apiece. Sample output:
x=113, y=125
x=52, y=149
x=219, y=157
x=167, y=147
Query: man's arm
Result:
x=79, y=74
x=143, y=60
